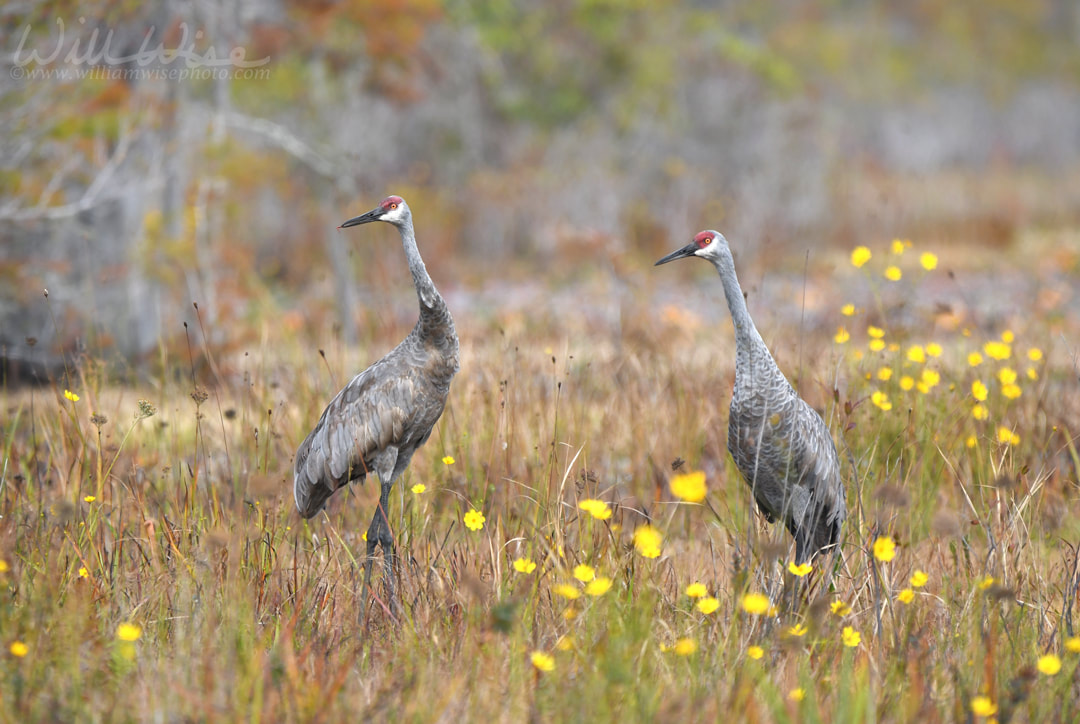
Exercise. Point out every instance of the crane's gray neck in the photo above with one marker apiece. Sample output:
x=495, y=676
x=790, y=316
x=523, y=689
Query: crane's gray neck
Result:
x=750, y=350
x=435, y=316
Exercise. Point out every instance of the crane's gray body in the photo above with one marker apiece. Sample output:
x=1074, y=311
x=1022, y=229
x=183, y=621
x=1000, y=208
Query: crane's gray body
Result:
x=382, y=416
x=386, y=412
x=780, y=444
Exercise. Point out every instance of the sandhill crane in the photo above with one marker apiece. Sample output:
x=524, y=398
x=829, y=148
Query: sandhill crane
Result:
x=386, y=412
x=780, y=444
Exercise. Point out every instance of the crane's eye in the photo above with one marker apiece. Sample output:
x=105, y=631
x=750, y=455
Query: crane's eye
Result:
x=706, y=241
x=393, y=206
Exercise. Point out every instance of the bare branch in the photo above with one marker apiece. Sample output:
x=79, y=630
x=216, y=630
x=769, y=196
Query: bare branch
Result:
x=90, y=197
x=287, y=141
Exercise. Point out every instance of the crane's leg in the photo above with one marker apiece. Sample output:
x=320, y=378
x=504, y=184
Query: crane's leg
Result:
x=379, y=534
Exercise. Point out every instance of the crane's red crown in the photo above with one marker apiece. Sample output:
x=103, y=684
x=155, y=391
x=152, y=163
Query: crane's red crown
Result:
x=704, y=238
x=391, y=202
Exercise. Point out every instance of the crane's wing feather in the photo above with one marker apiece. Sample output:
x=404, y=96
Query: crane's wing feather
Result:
x=370, y=413
x=787, y=456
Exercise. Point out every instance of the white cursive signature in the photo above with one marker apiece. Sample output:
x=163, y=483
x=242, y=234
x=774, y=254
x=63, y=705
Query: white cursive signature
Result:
x=92, y=54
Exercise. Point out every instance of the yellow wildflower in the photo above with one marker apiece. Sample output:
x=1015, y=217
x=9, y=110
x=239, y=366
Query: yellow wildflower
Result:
x=418, y=488
x=1049, y=664
x=1006, y=436
x=755, y=604
x=685, y=647
x=4, y=567
x=880, y=399
x=1007, y=336
x=875, y=332
x=474, y=520
x=797, y=694
x=542, y=662
x=689, y=487
x=647, y=541
x=847, y=310
x=916, y=353
x=799, y=570
x=934, y=349
x=906, y=382
x=978, y=390
x=584, y=573
x=997, y=350
x=840, y=608
x=708, y=605
x=979, y=412
x=859, y=256
x=524, y=565
x=448, y=460
x=985, y=583
x=970, y=442
x=884, y=549
x=876, y=345
x=906, y=596
x=982, y=706
x=897, y=247
x=697, y=590
x=893, y=273
x=755, y=652
x=1072, y=644
x=1011, y=391
x=598, y=586
x=930, y=378
x=128, y=632
x=71, y=395
x=1031, y=373
x=796, y=630
x=1034, y=354
x=842, y=335
x=884, y=374
x=928, y=260
x=566, y=590
x=918, y=579
x=596, y=508
x=1006, y=375
x=18, y=649
x=83, y=573
x=851, y=637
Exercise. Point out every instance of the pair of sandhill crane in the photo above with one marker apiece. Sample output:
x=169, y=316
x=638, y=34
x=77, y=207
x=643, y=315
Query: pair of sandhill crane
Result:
x=780, y=444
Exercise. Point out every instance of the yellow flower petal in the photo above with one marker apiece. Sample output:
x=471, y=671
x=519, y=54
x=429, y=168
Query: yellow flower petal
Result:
x=884, y=549
x=596, y=508
x=697, y=590
x=1049, y=664
x=859, y=256
x=524, y=565
x=598, y=586
x=708, y=605
x=689, y=487
x=542, y=662
x=584, y=573
x=755, y=604
x=474, y=520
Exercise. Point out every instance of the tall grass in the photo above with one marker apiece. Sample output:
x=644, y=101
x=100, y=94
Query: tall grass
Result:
x=167, y=504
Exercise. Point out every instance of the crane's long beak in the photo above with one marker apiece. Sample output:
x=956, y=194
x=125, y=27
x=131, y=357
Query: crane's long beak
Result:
x=367, y=218
x=687, y=250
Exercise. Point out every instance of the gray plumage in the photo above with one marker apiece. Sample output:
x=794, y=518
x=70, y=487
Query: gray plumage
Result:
x=779, y=443
x=385, y=413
